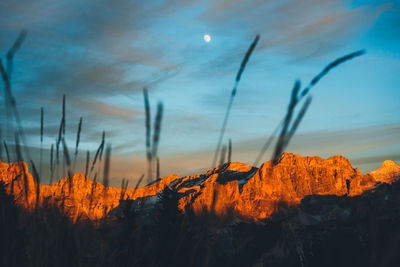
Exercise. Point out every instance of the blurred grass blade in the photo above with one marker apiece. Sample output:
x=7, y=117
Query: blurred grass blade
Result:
x=13, y=50
x=286, y=122
x=233, y=93
x=37, y=183
x=78, y=136
x=87, y=163
x=51, y=164
x=229, y=150
x=107, y=166
x=329, y=67
x=148, y=133
x=8, y=154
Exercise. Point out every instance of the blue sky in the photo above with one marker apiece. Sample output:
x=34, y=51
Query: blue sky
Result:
x=101, y=54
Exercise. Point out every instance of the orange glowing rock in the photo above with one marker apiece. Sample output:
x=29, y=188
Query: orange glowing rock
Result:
x=388, y=172
x=249, y=192
x=19, y=182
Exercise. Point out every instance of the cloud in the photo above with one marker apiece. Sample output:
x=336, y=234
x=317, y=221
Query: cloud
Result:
x=376, y=159
x=298, y=29
x=104, y=109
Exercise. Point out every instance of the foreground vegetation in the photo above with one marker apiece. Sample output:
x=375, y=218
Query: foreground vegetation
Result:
x=358, y=231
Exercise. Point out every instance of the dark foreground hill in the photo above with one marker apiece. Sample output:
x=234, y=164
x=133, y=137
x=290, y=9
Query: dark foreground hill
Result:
x=305, y=211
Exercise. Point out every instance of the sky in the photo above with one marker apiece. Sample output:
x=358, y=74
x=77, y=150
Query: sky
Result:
x=101, y=55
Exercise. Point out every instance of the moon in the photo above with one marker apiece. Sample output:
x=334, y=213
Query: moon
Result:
x=207, y=38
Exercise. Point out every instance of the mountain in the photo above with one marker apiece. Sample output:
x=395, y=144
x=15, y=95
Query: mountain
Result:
x=388, y=172
x=250, y=193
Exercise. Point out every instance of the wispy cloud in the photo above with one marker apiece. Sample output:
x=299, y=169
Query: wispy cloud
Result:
x=296, y=28
x=107, y=110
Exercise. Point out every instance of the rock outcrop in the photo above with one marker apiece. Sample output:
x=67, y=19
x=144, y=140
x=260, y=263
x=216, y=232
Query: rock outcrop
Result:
x=388, y=172
x=257, y=193
x=19, y=182
x=249, y=192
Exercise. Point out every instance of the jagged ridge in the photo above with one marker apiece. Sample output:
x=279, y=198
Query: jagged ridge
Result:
x=252, y=193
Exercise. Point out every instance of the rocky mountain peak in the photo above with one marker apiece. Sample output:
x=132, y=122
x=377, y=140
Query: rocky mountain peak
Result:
x=249, y=192
x=388, y=172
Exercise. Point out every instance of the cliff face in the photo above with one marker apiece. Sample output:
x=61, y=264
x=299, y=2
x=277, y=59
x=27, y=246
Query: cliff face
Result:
x=257, y=193
x=19, y=182
x=253, y=193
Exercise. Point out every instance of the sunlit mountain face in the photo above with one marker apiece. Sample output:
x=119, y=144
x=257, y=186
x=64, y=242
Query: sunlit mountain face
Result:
x=250, y=193
x=199, y=133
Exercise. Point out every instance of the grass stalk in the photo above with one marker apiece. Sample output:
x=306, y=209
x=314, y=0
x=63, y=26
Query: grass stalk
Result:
x=99, y=150
x=232, y=96
x=51, y=164
x=158, y=168
x=157, y=130
x=36, y=177
x=229, y=150
x=78, y=137
x=283, y=139
x=21, y=165
x=41, y=139
x=87, y=163
x=8, y=154
x=68, y=162
x=148, y=133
